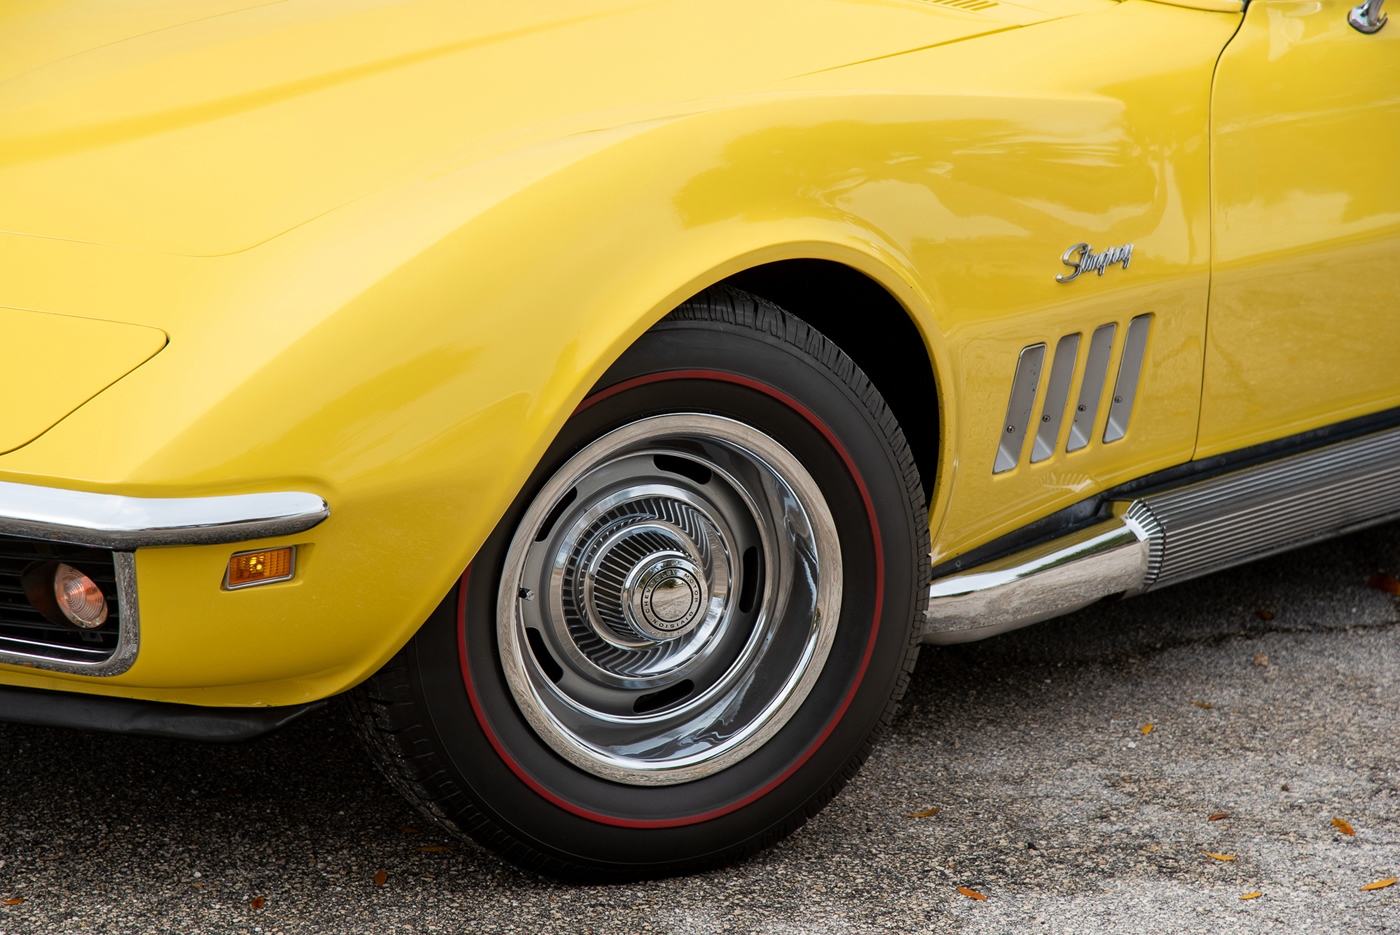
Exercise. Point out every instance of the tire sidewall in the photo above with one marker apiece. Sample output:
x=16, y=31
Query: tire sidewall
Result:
x=575, y=819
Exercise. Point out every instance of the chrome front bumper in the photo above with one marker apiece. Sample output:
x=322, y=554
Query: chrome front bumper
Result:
x=109, y=521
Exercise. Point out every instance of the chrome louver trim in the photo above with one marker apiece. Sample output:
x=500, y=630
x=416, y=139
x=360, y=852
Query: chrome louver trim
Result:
x=110, y=521
x=1176, y=535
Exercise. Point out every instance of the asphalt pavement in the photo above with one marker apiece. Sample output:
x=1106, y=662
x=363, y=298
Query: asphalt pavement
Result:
x=1055, y=800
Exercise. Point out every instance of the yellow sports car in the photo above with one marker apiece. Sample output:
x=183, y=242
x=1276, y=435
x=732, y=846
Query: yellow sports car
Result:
x=607, y=398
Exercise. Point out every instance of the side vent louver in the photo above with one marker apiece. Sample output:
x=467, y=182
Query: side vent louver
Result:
x=1025, y=389
x=1091, y=390
x=1018, y=410
x=1125, y=387
x=1047, y=434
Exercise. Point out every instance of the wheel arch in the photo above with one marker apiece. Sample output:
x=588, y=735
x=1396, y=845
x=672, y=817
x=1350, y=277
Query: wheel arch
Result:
x=882, y=339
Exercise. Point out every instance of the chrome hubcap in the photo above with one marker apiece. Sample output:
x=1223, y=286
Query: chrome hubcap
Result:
x=664, y=595
x=669, y=599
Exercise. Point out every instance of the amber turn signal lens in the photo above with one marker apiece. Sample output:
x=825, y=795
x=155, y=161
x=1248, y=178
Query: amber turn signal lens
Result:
x=249, y=568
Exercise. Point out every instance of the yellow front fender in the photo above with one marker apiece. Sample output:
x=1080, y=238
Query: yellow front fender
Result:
x=408, y=357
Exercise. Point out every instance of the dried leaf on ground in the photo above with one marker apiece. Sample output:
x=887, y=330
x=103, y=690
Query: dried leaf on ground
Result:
x=407, y=829
x=1261, y=659
x=926, y=813
x=1343, y=827
x=1264, y=614
x=1380, y=884
x=50, y=858
x=1218, y=815
x=257, y=902
x=1283, y=788
x=1384, y=583
x=12, y=902
x=1219, y=856
x=435, y=848
x=1251, y=895
x=1147, y=728
x=380, y=877
x=1202, y=704
x=973, y=894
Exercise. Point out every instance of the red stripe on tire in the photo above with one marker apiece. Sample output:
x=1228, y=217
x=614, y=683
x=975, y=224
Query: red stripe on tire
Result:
x=845, y=703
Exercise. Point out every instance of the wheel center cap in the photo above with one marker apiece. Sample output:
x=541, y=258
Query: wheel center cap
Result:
x=665, y=596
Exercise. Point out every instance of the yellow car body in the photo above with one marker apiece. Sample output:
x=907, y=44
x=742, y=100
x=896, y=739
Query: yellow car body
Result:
x=378, y=252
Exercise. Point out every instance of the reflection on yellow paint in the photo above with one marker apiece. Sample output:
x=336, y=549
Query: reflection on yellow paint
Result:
x=1307, y=234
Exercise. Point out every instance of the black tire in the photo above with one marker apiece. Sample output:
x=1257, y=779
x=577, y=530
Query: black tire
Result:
x=440, y=716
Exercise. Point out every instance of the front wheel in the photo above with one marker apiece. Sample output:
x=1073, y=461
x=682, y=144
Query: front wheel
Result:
x=688, y=630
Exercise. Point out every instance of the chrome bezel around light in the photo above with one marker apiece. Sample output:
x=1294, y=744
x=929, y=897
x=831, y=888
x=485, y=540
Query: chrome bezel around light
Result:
x=111, y=521
x=128, y=637
x=291, y=572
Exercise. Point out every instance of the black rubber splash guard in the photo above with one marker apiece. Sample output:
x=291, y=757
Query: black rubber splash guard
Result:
x=145, y=718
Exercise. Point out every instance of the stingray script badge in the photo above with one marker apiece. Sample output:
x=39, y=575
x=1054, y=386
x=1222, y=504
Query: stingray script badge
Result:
x=1083, y=259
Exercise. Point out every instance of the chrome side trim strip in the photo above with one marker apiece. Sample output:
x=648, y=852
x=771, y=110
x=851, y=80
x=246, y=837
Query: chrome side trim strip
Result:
x=1024, y=388
x=1129, y=370
x=128, y=639
x=1276, y=506
x=109, y=521
x=1047, y=434
x=1081, y=430
x=1041, y=582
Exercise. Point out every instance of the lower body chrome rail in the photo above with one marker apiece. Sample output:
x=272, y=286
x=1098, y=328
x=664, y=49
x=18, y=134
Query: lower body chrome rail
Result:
x=1173, y=536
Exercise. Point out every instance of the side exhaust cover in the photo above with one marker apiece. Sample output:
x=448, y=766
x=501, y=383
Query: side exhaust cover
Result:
x=1178, y=534
x=1042, y=582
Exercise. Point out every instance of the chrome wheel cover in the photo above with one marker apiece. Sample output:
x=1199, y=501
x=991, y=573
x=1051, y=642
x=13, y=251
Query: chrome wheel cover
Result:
x=669, y=599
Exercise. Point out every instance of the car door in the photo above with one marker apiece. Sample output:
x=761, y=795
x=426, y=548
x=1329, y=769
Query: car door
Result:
x=1304, y=319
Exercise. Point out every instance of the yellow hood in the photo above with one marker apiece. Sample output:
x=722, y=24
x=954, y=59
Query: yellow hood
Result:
x=55, y=363
x=205, y=127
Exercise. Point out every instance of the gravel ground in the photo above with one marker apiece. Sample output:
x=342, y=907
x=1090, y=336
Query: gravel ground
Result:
x=1053, y=801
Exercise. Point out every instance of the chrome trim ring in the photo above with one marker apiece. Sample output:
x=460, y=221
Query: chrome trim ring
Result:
x=669, y=599
x=110, y=521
